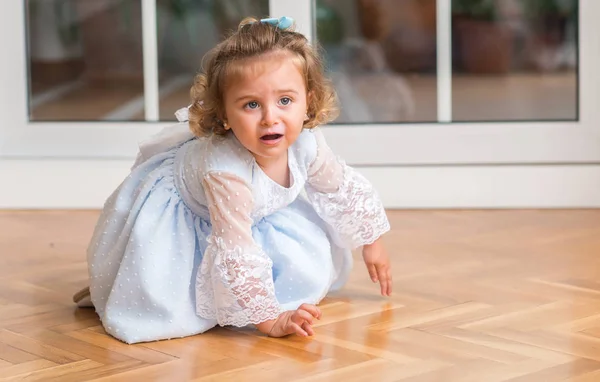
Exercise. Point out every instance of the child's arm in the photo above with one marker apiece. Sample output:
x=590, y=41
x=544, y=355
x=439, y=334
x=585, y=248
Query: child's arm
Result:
x=344, y=198
x=235, y=283
x=349, y=203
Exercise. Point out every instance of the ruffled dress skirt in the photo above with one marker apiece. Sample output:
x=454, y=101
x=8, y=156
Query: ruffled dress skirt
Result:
x=148, y=245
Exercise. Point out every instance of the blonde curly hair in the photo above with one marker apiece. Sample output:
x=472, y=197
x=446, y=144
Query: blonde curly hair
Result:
x=251, y=40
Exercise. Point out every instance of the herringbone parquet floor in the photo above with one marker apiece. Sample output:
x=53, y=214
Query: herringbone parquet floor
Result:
x=478, y=296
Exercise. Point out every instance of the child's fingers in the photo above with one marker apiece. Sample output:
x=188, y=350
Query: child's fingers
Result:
x=389, y=273
x=306, y=326
x=384, y=279
x=312, y=309
x=298, y=330
x=304, y=315
x=385, y=288
x=372, y=272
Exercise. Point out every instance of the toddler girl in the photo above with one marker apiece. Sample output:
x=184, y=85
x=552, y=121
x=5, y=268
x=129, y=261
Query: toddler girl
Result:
x=240, y=214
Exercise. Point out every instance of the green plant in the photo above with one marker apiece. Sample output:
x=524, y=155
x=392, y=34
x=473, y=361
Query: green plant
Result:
x=65, y=15
x=540, y=8
x=179, y=8
x=329, y=24
x=476, y=9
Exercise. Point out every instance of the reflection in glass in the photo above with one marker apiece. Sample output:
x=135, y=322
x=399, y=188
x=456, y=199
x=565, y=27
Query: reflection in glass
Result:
x=381, y=55
x=187, y=30
x=514, y=60
x=85, y=60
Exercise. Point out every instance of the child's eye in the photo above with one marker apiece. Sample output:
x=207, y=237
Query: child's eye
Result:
x=252, y=105
x=285, y=101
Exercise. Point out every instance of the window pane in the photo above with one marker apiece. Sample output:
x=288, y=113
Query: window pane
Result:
x=381, y=55
x=514, y=60
x=85, y=60
x=187, y=30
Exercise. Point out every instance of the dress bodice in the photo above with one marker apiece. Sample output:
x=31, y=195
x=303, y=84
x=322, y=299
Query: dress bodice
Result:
x=201, y=156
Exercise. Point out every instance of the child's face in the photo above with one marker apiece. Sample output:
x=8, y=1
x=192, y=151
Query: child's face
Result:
x=266, y=106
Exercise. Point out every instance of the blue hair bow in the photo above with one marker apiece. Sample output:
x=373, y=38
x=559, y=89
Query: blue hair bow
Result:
x=281, y=22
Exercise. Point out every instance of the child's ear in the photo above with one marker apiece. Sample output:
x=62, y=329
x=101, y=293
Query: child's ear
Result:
x=222, y=117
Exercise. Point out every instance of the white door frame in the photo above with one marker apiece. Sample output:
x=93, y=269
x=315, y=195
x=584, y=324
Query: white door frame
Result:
x=389, y=144
x=393, y=154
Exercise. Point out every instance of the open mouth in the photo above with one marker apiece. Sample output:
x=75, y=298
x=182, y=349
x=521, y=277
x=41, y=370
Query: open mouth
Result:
x=271, y=137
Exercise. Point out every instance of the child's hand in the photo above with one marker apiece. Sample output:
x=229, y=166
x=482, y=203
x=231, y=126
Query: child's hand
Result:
x=297, y=321
x=378, y=264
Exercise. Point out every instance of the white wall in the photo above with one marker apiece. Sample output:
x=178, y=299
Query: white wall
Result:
x=33, y=184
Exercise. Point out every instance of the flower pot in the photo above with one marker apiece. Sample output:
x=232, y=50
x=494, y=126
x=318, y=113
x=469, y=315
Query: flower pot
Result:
x=485, y=47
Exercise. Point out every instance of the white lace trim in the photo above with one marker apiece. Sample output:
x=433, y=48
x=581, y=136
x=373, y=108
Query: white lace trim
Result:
x=235, y=286
x=355, y=210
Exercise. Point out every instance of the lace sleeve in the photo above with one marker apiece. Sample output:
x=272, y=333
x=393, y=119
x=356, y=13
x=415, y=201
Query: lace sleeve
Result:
x=234, y=284
x=344, y=198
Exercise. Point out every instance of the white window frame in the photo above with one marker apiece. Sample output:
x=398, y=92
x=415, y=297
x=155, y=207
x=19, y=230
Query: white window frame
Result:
x=441, y=143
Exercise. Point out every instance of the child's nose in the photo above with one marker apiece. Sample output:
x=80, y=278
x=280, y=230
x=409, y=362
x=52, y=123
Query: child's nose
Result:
x=269, y=117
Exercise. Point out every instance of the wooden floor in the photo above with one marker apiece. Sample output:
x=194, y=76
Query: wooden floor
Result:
x=478, y=296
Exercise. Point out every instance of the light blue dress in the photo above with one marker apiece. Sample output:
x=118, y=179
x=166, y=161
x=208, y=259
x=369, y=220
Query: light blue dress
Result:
x=158, y=271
